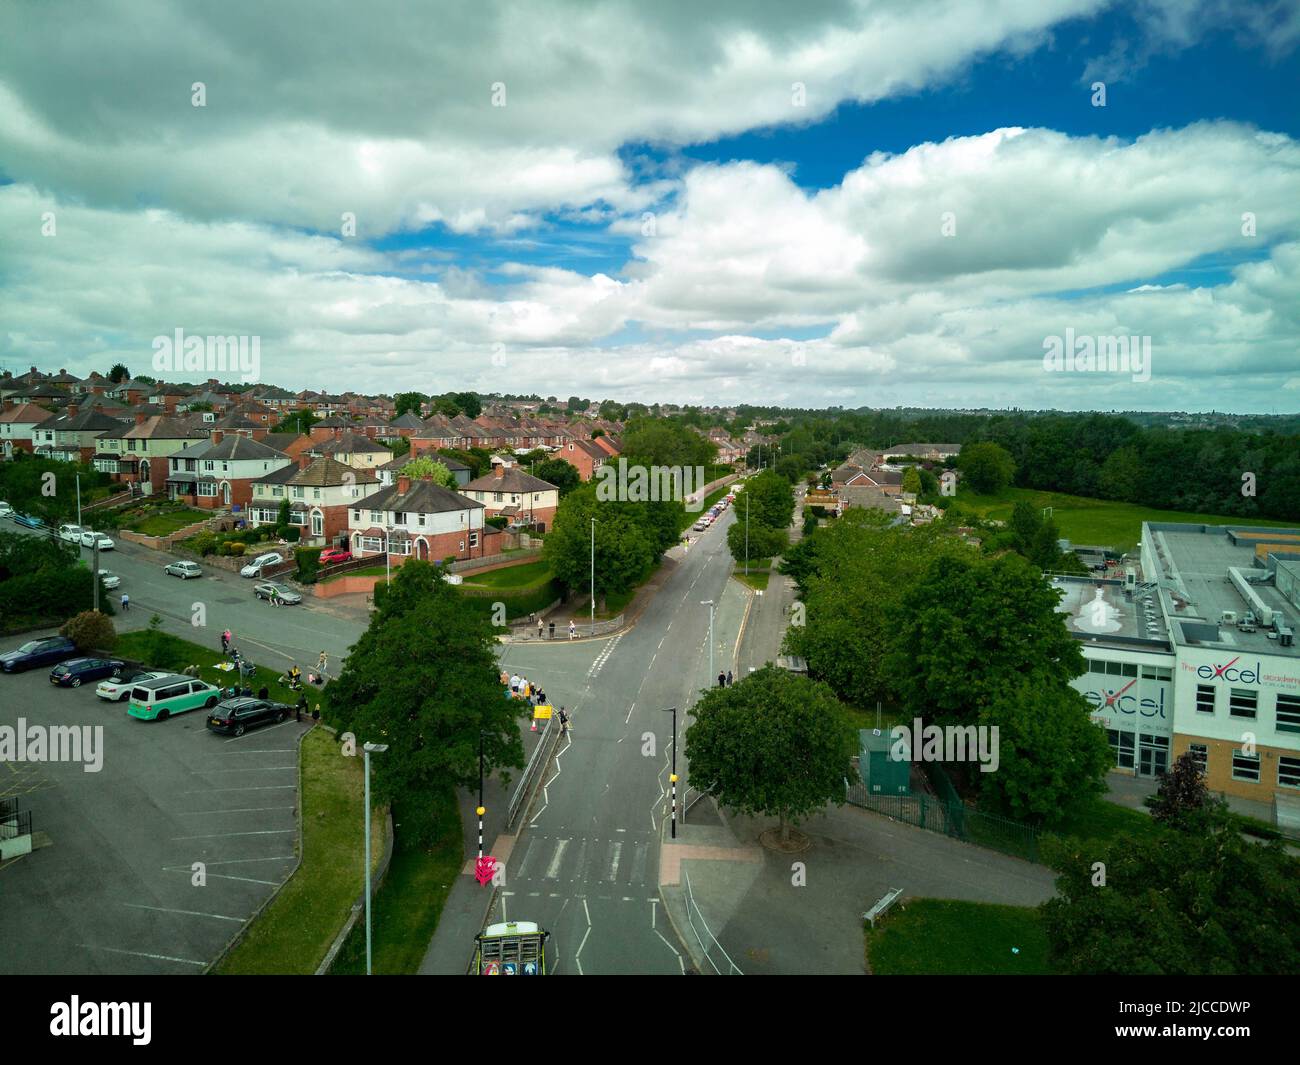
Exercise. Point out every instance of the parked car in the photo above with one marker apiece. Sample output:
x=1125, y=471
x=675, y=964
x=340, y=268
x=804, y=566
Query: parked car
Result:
x=261, y=562
x=89, y=538
x=36, y=653
x=161, y=697
x=699, y=526
x=234, y=717
x=331, y=556
x=109, y=579
x=282, y=592
x=28, y=521
x=117, y=689
x=71, y=533
x=183, y=570
x=71, y=673
x=6, y=511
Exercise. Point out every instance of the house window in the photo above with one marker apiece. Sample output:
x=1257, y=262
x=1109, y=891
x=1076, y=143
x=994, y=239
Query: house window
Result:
x=1245, y=766
x=1288, y=772
x=1201, y=756
x=315, y=493
x=372, y=544
x=376, y=517
x=399, y=517
x=1205, y=698
x=277, y=491
x=1242, y=703
x=1288, y=713
x=356, y=515
x=207, y=489
x=208, y=464
x=473, y=539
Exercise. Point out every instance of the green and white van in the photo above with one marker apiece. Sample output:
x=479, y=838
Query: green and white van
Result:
x=174, y=694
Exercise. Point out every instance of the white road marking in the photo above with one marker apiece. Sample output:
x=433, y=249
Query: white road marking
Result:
x=228, y=835
x=188, y=913
x=141, y=954
x=243, y=810
x=264, y=787
x=553, y=870
x=613, y=862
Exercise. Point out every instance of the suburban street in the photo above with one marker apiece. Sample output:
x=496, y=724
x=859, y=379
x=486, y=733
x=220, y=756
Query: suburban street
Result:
x=586, y=866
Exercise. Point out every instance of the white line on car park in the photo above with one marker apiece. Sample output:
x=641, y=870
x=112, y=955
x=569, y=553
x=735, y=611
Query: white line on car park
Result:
x=228, y=835
x=189, y=913
x=141, y=954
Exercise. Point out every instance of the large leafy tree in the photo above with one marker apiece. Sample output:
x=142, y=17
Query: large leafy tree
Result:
x=469, y=404
x=298, y=422
x=774, y=744
x=564, y=475
x=1182, y=793
x=762, y=541
x=119, y=373
x=43, y=488
x=407, y=402
x=427, y=469
x=423, y=679
x=666, y=442
x=770, y=500
x=969, y=627
x=988, y=467
x=625, y=545
x=1204, y=901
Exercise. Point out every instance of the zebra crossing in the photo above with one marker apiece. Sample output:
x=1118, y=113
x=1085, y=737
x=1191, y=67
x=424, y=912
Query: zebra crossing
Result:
x=564, y=865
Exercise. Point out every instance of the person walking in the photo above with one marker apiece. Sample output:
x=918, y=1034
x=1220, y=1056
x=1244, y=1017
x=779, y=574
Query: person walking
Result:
x=322, y=663
x=225, y=641
x=126, y=602
x=300, y=707
x=728, y=678
x=540, y=628
x=552, y=636
x=722, y=680
x=564, y=722
x=573, y=629
x=514, y=683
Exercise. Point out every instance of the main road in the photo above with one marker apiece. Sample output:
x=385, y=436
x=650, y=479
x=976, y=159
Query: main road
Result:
x=586, y=865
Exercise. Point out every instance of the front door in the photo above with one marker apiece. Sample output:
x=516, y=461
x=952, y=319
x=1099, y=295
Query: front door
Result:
x=1153, y=756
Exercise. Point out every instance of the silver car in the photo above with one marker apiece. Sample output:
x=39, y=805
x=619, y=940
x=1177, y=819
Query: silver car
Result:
x=183, y=570
x=272, y=592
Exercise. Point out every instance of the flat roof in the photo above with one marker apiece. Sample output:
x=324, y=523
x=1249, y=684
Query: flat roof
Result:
x=1196, y=588
x=1098, y=611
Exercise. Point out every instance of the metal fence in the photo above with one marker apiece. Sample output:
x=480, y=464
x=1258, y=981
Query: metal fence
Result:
x=718, y=958
x=14, y=821
x=951, y=818
x=536, y=765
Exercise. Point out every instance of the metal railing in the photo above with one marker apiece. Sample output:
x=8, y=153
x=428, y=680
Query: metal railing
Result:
x=536, y=765
x=708, y=941
x=14, y=821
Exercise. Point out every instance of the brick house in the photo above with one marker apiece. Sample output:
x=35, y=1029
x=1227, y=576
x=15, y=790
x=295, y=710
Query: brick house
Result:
x=73, y=436
x=423, y=520
x=138, y=454
x=18, y=422
x=220, y=472
x=519, y=496
x=320, y=493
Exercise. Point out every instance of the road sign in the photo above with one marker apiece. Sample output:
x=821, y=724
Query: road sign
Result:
x=542, y=713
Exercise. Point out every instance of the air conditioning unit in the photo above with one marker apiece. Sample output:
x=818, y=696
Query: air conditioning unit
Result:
x=1228, y=617
x=1285, y=637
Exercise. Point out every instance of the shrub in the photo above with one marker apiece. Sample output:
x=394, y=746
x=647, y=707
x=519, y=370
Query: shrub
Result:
x=308, y=559
x=203, y=543
x=90, y=631
x=235, y=548
x=292, y=533
x=498, y=521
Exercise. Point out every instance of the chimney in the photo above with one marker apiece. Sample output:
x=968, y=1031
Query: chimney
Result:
x=403, y=485
x=217, y=434
x=499, y=471
x=9, y=404
x=304, y=460
x=139, y=417
x=62, y=370
x=72, y=409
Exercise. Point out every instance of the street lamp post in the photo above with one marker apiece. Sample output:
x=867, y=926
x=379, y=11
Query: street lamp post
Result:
x=593, y=576
x=712, y=606
x=78, y=500
x=672, y=777
x=481, y=808
x=746, y=530
x=369, y=748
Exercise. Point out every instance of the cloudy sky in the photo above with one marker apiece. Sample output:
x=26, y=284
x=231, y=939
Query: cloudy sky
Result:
x=852, y=202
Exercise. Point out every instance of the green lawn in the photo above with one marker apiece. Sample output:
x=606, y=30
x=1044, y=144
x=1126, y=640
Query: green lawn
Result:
x=406, y=910
x=512, y=576
x=364, y=571
x=293, y=933
x=166, y=523
x=756, y=579
x=163, y=651
x=1100, y=819
x=948, y=938
x=1092, y=521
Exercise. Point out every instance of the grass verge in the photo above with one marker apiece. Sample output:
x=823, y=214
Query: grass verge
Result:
x=949, y=938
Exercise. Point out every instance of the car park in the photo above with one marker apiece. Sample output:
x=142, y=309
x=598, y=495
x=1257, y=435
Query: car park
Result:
x=278, y=593
x=35, y=653
x=183, y=570
x=233, y=717
x=261, y=562
x=109, y=579
x=117, y=688
x=91, y=538
x=74, y=671
x=332, y=556
x=71, y=533
x=175, y=693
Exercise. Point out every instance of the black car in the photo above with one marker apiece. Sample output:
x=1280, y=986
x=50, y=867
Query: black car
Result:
x=33, y=653
x=71, y=673
x=232, y=717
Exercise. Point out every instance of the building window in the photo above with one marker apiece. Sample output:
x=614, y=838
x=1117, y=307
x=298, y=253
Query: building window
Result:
x=277, y=491
x=1121, y=743
x=1288, y=772
x=1205, y=698
x=356, y=515
x=297, y=492
x=208, y=489
x=1245, y=766
x=1288, y=713
x=473, y=539
x=372, y=544
x=1201, y=756
x=1242, y=703
x=496, y=497
x=1157, y=673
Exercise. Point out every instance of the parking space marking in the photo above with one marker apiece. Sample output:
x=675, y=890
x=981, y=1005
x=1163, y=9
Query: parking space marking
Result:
x=255, y=769
x=228, y=835
x=261, y=732
x=141, y=954
x=242, y=810
x=227, y=876
x=188, y=913
x=264, y=787
x=232, y=861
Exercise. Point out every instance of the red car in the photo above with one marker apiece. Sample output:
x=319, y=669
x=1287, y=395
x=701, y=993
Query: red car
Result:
x=333, y=555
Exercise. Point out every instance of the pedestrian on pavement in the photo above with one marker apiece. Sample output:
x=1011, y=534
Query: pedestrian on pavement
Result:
x=300, y=707
x=541, y=698
x=505, y=679
x=722, y=680
x=540, y=628
x=728, y=678
x=126, y=601
x=322, y=663
x=225, y=641
x=564, y=722
x=514, y=683
x=572, y=629
x=262, y=692
x=552, y=630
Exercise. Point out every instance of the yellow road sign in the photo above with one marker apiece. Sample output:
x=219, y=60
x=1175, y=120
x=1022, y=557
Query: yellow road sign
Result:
x=541, y=713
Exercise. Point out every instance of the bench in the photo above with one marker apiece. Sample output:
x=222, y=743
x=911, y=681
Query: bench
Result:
x=878, y=910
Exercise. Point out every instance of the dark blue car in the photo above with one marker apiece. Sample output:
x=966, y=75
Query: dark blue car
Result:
x=34, y=653
x=71, y=673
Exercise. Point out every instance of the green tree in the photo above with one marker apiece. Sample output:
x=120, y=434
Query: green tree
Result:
x=90, y=630
x=763, y=541
x=1182, y=793
x=1121, y=475
x=300, y=421
x=283, y=517
x=469, y=404
x=770, y=500
x=407, y=402
x=119, y=373
x=625, y=549
x=563, y=475
x=426, y=469
x=773, y=745
x=423, y=679
x=912, y=480
x=1204, y=903
x=988, y=467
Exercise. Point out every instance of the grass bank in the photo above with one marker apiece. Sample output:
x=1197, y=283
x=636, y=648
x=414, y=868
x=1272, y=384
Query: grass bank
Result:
x=949, y=938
